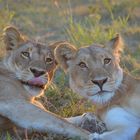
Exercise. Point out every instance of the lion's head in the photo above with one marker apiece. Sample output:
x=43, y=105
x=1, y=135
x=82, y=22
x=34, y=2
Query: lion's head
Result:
x=32, y=63
x=94, y=71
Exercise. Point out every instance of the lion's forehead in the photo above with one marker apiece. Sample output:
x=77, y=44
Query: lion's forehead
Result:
x=38, y=54
x=36, y=48
x=94, y=52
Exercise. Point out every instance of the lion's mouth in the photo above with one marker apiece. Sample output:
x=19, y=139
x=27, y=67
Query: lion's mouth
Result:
x=102, y=91
x=35, y=83
x=98, y=93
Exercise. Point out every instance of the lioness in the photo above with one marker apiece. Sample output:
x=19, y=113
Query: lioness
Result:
x=25, y=73
x=94, y=72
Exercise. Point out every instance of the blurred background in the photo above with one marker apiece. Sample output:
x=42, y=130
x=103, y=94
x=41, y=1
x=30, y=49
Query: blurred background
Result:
x=82, y=22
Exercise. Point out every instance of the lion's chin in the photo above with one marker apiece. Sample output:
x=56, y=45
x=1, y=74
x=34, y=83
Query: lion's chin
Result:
x=34, y=90
x=102, y=98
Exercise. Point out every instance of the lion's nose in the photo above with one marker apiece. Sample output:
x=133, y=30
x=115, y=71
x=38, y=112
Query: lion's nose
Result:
x=37, y=72
x=100, y=83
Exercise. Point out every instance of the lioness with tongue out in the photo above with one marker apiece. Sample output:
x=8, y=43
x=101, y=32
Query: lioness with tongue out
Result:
x=25, y=73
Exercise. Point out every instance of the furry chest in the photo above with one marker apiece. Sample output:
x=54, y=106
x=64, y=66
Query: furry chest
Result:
x=119, y=117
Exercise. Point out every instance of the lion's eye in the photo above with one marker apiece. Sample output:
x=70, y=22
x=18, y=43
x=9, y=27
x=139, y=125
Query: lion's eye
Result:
x=25, y=54
x=82, y=65
x=49, y=60
x=107, y=60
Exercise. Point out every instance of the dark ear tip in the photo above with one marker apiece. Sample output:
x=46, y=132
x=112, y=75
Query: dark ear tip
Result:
x=57, y=42
x=10, y=28
x=65, y=45
x=116, y=38
x=54, y=45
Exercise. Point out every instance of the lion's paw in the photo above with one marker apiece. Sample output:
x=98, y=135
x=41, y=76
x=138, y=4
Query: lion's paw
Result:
x=90, y=116
x=91, y=123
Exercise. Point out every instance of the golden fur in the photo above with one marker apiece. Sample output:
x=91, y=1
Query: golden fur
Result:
x=94, y=72
x=25, y=72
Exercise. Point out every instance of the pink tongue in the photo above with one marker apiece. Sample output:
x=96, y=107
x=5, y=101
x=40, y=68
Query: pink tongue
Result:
x=36, y=81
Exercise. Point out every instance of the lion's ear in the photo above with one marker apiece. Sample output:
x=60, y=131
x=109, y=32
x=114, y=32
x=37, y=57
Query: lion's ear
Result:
x=12, y=37
x=63, y=53
x=53, y=45
x=116, y=45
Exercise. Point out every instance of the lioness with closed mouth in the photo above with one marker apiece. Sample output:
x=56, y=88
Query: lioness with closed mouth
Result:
x=25, y=73
x=94, y=72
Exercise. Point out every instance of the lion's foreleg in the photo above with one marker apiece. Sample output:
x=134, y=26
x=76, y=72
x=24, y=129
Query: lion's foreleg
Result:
x=29, y=116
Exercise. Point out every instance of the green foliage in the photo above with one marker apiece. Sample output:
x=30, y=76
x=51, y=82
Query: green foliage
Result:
x=8, y=137
x=5, y=15
x=91, y=29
